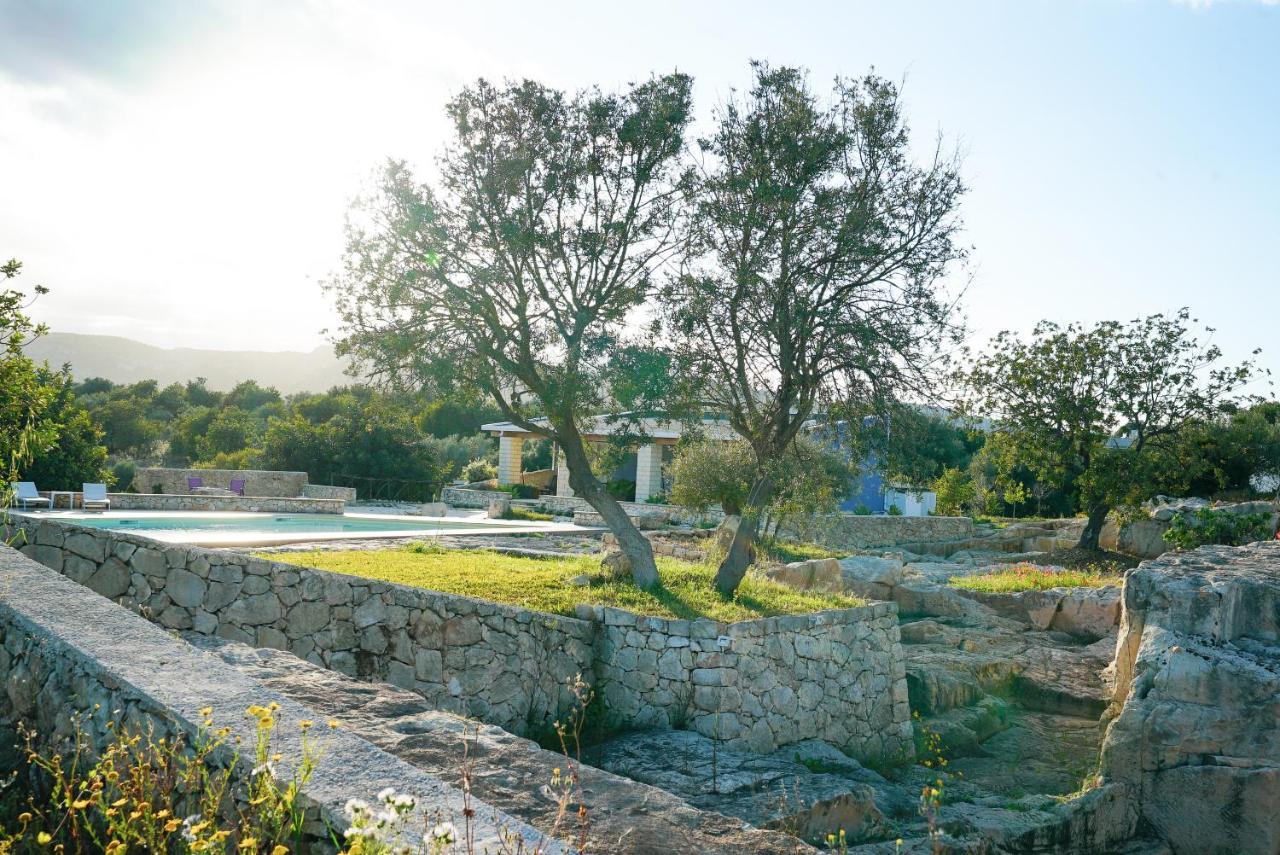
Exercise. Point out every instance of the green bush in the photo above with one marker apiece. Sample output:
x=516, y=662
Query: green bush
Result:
x=518, y=513
x=122, y=476
x=1209, y=527
x=479, y=470
x=622, y=489
x=862, y=510
x=523, y=491
x=894, y=511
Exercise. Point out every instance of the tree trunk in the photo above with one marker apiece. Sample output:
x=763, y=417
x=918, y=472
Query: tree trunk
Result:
x=734, y=566
x=1093, y=529
x=631, y=542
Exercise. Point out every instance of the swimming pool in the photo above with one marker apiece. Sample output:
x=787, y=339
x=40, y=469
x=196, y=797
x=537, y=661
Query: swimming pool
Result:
x=260, y=529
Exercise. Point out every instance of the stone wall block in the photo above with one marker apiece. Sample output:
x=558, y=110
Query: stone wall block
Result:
x=85, y=545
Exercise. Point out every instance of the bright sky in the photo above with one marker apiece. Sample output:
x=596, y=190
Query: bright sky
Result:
x=178, y=172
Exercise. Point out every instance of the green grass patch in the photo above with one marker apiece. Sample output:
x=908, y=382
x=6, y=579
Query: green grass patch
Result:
x=516, y=512
x=786, y=551
x=1028, y=577
x=685, y=590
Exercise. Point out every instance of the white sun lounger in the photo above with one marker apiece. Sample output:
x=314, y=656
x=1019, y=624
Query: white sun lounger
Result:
x=26, y=495
x=95, y=495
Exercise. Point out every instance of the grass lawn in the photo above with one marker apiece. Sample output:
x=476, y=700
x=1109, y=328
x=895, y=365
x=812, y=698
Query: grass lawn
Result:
x=1028, y=577
x=786, y=551
x=543, y=584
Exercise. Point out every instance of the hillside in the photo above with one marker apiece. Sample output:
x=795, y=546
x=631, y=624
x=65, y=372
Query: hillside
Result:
x=124, y=360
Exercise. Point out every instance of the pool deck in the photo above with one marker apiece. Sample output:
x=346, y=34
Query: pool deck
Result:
x=459, y=522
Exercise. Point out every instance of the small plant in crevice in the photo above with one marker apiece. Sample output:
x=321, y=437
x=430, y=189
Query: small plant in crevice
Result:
x=933, y=792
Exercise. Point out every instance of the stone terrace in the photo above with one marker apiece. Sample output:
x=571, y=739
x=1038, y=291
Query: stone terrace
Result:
x=755, y=684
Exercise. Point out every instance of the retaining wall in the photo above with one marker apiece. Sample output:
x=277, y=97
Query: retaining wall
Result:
x=264, y=504
x=325, y=491
x=838, y=676
x=834, y=675
x=258, y=482
x=503, y=665
x=855, y=531
x=466, y=497
x=70, y=660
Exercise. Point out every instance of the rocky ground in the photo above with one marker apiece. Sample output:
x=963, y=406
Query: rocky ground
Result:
x=504, y=770
x=1007, y=689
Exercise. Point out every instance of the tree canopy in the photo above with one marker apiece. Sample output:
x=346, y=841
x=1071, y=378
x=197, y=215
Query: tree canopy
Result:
x=1102, y=412
x=820, y=246
x=514, y=273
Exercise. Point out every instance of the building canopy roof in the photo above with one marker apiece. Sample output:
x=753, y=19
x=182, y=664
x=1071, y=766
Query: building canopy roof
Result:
x=624, y=424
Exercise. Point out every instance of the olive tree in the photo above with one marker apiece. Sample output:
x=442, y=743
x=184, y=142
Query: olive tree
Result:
x=514, y=272
x=816, y=277
x=1102, y=412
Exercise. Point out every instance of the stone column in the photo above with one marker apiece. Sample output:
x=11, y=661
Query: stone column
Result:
x=562, y=476
x=648, y=471
x=509, y=467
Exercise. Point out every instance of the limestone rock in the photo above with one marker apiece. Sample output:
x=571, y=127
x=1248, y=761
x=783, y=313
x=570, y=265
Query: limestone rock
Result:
x=1089, y=613
x=498, y=508
x=616, y=564
x=1197, y=677
x=882, y=571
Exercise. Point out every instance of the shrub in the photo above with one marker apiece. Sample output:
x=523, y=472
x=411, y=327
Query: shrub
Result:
x=622, y=489
x=122, y=476
x=955, y=490
x=707, y=473
x=518, y=513
x=894, y=511
x=657, y=499
x=523, y=491
x=479, y=470
x=1209, y=527
x=862, y=510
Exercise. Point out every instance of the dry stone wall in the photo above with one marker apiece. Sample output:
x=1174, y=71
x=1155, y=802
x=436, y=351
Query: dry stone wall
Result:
x=837, y=675
x=258, y=482
x=859, y=531
x=466, y=497
x=252, y=504
x=70, y=660
x=507, y=666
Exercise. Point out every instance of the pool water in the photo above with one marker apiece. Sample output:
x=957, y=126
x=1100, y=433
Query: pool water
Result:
x=271, y=524
x=260, y=529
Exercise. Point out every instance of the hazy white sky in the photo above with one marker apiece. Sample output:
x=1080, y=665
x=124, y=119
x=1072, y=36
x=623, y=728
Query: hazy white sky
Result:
x=178, y=172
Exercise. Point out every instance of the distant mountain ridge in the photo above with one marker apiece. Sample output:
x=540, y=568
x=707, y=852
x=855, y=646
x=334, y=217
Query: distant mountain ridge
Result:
x=123, y=360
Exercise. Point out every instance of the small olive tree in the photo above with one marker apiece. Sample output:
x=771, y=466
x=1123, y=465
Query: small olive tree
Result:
x=1102, y=412
x=515, y=272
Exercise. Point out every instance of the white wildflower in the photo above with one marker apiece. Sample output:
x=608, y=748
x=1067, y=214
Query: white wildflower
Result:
x=267, y=767
x=386, y=795
x=445, y=832
x=356, y=808
x=404, y=802
x=187, y=834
